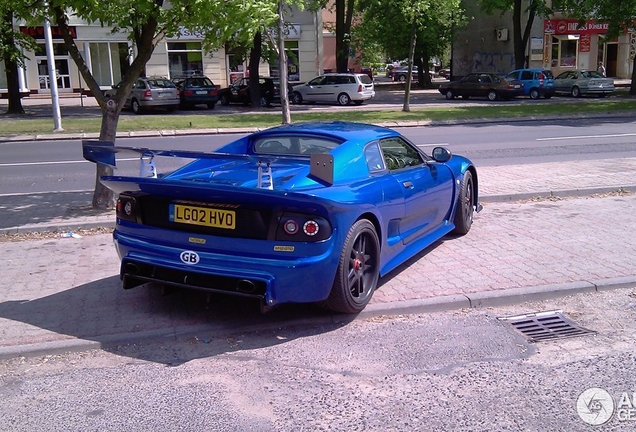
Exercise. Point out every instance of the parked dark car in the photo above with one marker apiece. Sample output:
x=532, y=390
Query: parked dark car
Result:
x=239, y=92
x=536, y=82
x=445, y=73
x=400, y=74
x=481, y=84
x=196, y=90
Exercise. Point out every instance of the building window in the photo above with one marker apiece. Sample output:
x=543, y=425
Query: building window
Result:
x=59, y=49
x=109, y=61
x=185, y=59
x=293, y=65
x=564, y=51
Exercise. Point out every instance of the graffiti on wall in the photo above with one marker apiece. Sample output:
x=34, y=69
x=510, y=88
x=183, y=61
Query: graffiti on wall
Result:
x=498, y=63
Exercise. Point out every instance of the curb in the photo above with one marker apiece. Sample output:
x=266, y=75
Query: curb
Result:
x=408, y=307
x=248, y=130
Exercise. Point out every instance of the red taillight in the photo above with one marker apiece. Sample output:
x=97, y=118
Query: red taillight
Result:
x=127, y=208
x=541, y=78
x=148, y=94
x=302, y=228
x=188, y=93
x=360, y=88
x=213, y=92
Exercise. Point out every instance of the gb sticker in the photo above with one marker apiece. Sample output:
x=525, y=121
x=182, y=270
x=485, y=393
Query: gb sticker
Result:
x=189, y=257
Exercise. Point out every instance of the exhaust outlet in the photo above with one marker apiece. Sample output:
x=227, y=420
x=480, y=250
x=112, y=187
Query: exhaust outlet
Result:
x=245, y=286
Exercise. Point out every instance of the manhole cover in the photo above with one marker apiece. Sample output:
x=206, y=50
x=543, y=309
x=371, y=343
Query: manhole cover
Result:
x=540, y=326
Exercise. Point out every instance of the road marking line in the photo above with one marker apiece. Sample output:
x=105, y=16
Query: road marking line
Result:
x=586, y=136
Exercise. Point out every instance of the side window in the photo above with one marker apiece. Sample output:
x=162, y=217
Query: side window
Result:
x=399, y=153
x=317, y=81
x=526, y=75
x=375, y=162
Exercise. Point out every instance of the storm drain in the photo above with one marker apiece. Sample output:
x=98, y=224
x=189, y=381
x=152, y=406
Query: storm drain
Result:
x=541, y=326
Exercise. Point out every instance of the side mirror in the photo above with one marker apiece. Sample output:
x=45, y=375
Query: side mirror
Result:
x=441, y=154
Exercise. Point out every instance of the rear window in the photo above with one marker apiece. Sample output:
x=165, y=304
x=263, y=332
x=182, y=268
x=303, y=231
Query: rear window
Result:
x=366, y=79
x=548, y=74
x=294, y=145
x=160, y=83
x=201, y=82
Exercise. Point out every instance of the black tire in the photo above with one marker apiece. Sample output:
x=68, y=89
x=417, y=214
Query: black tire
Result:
x=224, y=100
x=576, y=92
x=449, y=94
x=534, y=93
x=297, y=98
x=465, y=97
x=344, y=99
x=211, y=105
x=134, y=105
x=402, y=78
x=358, y=270
x=465, y=205
x=492, y=95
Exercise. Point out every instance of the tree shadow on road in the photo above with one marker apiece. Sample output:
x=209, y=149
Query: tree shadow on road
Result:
x=42, y=208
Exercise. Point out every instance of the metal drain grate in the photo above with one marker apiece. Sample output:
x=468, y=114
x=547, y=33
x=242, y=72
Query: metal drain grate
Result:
x=540, y=326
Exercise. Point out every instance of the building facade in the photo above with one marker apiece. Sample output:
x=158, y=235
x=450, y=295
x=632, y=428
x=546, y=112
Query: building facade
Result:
x=108, y=55
x=557, y=43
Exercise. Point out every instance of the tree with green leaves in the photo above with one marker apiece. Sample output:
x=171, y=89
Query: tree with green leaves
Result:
x=148, y=22
x=620, y=15
x=12, y=44
x=523, y=14
x=405, y=29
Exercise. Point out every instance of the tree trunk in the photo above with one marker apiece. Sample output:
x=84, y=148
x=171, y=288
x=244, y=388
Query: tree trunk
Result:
x=344, y=17
x=15, y=100
x=632, y=87
x=407, y=93
x=13, y=84
x=104, y=198
x=255, y=59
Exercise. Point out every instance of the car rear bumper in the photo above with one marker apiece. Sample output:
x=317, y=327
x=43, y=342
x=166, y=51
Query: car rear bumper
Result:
x=363, y=96
x=275, y=272
x=155, y=103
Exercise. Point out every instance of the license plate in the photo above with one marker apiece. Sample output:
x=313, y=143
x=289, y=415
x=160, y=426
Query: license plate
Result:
x=202, y=92
x=203, y=216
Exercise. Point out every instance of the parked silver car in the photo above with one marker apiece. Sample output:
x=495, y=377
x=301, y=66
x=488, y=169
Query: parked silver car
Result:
x=580, y=82
x=150, y=93
x=342, y=88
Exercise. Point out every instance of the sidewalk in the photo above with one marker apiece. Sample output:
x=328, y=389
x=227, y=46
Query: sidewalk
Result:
x=64, y=294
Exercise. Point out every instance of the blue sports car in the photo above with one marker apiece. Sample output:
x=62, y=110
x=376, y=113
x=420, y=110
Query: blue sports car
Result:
x=309, y=212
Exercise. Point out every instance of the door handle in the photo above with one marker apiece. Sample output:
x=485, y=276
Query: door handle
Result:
x=408, y=184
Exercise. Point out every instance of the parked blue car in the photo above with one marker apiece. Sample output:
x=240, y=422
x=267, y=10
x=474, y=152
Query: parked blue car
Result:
x=536, y=82
x=309, y=212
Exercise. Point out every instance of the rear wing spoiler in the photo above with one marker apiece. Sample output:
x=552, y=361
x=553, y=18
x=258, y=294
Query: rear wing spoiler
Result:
x=321, y=166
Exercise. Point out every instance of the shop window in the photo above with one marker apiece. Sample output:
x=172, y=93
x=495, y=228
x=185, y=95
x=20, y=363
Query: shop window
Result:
x=564, y=51
x=185, y=59
x=293, y=64
x=109, y=62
